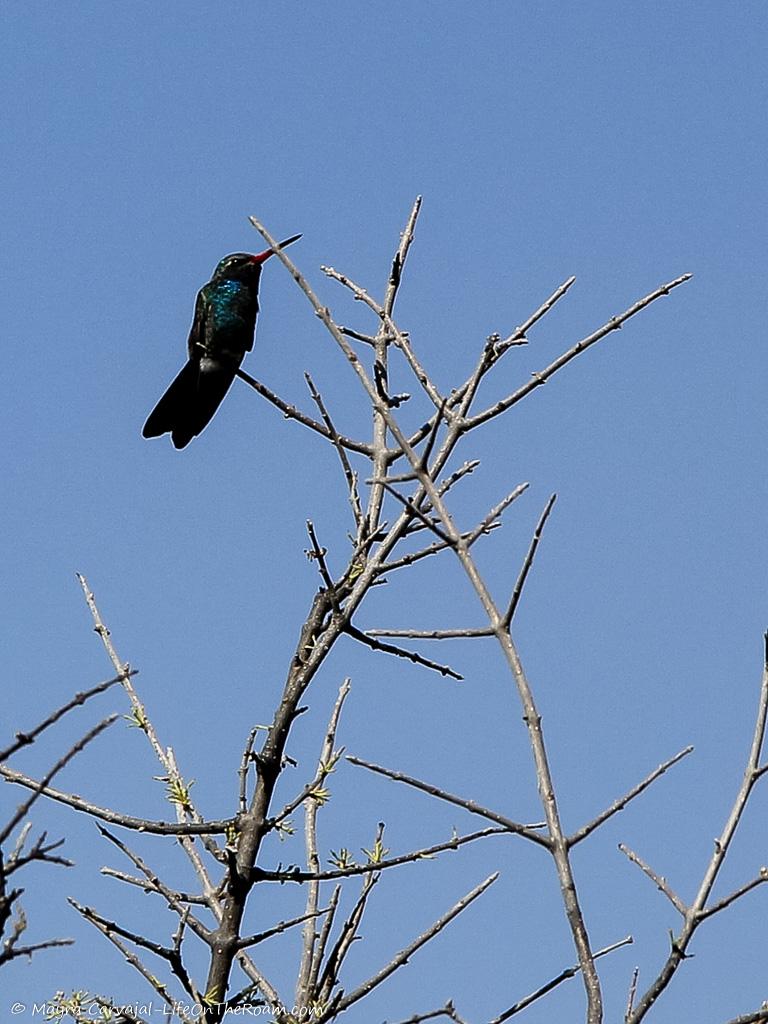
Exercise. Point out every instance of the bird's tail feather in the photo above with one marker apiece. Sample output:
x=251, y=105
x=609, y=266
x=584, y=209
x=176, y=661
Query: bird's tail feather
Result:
x=190, y=402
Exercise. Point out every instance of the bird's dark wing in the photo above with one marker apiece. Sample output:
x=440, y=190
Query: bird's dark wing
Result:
x=198, y=329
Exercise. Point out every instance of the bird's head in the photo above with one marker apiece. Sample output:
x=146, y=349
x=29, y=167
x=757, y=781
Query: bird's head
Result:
x=244, y=266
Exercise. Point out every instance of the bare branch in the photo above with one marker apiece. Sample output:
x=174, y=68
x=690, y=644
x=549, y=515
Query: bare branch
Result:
x=326, y=763
x=386, y=422
x=244, y=766
x=445, y=1011
x=631, y=994
x=433, y=634
x=569, y=972
x=349, y=475
x=621, y=803
x=23, y=739
x=41, y=787
x=427, y=853
x=658, y=880
x=697, y=911
x=415, y=511
x=557, y=842
x=133, y=960
x=13, y=952
x=365, y=338
x=491, y=353
x=292, y=413
x=405, y=954
x=185, y=810
x=459, y=474
x=514, y=600
x=496, y=513
x=758, y=1017
x=170, y=954
x=318, y=554
x=171, y=898
x=148, y=886
x=726, y=901
x=39, y=851
x=417, y=659
x=431, y=549
x=398, y=261
x=527, y=831
x=537, y=379
x=347, y=933
x=282, y=926
x=158, y=828
x=381, y=455
x=399, y=337
x=321, y=941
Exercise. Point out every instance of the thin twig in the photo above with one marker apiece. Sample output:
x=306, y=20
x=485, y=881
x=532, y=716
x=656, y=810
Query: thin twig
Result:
x=39, y=851
x=352, y=870
x=464, y=395
x=148, y=886
x=459, y=474
x=321, y=941
x=318, y=554
x=431, y=549
x=186, y=811
x=326, y=763
x=244, y=765
x=658, y=880
x=757, y=1017
x=172, y=898
x=415, y=511
x=347, y=933
x=405, y=954
x=13, y=952
x=358, y=336
x=445, y=1011
x=400, y=339
x=496, y=513
x=158, y=828
x=400, y=652
x=569, y=972
x=169, y=954
x=41, y=788
x=514, y=600
x=696, y=912
x=631, y=994
x=23, y=739
x=537, y=379
x=137, y=964
x=292, y=413
x=433, y=634
x=278, y=929
x=726, y=901
x=527, y=831
x=349, y=475
x=621, y=803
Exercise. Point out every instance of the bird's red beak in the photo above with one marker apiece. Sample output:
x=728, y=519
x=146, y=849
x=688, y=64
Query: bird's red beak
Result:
x=262, y=256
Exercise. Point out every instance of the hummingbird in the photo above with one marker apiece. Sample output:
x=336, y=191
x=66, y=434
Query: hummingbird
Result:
x=222, y=332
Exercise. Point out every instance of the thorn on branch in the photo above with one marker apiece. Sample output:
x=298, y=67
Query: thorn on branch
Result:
x=401, y=652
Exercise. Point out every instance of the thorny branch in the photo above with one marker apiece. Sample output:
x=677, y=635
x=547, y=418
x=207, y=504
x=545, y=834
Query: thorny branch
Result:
x=701, y=909
x=418, y=496
x=39, y=850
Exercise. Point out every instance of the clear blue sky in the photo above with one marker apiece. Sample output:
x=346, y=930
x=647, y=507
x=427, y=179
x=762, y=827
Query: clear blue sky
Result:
x=622, y=143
